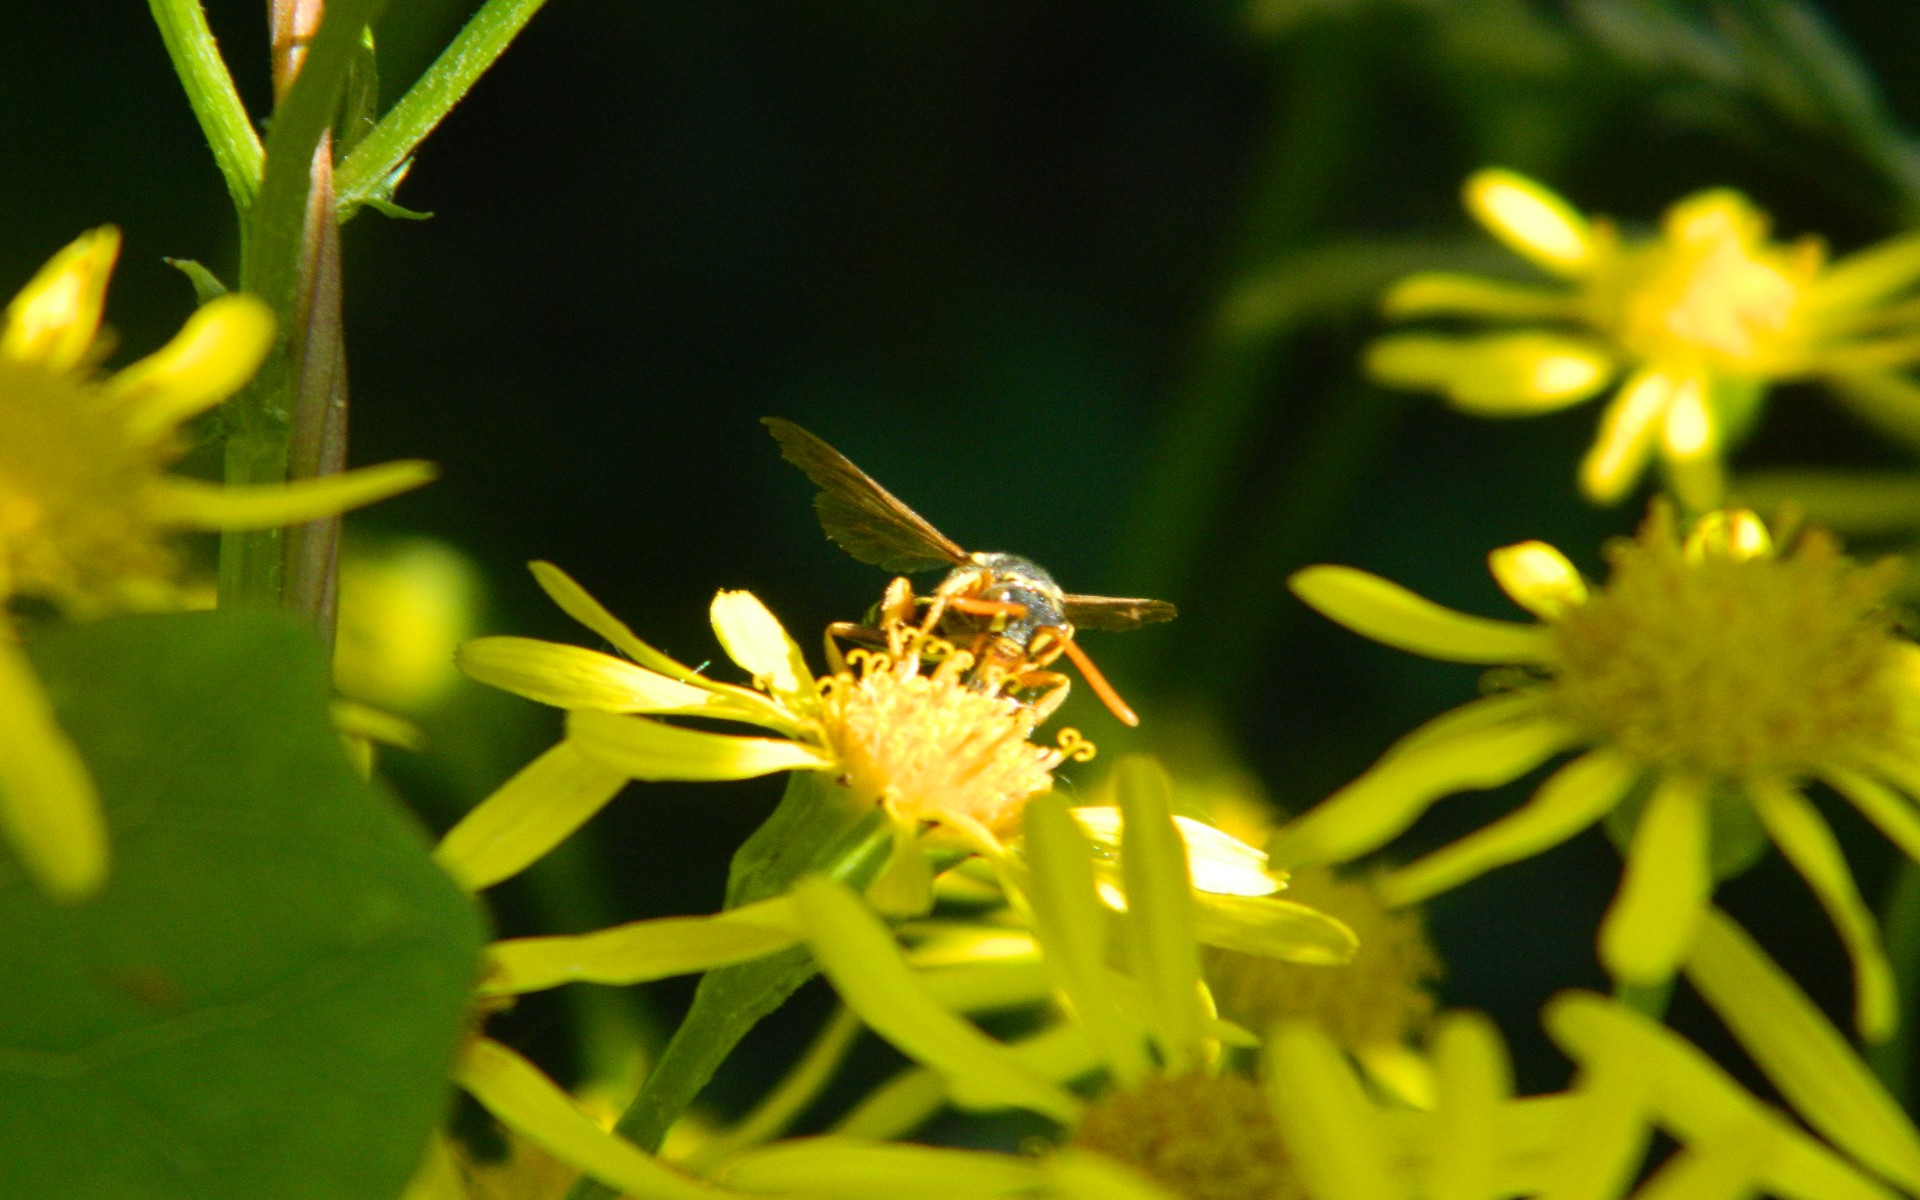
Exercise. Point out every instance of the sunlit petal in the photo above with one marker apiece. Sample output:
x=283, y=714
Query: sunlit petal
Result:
x=846, y=1168
x=54, y=320
x=527, y=816
x=754, y=639
x=1653, y=916
x=526, y=1101
x=1890, y=811
x=197, y=504
x=1576, y=796
x=857, y=954
x=1474, y=1080
x=1330, y=1129
x=641, y=951
x=1072, y=925
x=1440, y=293
x=215, y=352
x=1804, y=837
x=1371, y=810
x=1083, y=1175
x=1539, y=578
x=646, y=749
x=575, y=677
x=1388, y=613
x=1627, y=430
x=1272, y=927
x=1495, y=374
x=48, y=805
x=1531, y=219
x=1218, y=861
x=1158, y=926
x=1864, y=279
x=1800, y=1050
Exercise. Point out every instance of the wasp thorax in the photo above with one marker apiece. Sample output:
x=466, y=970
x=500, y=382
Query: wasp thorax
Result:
x=1206, y=1137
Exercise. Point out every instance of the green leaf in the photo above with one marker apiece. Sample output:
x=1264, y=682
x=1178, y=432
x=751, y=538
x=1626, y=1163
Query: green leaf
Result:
x=206, y=285
x=265, y=998
x=813, y=829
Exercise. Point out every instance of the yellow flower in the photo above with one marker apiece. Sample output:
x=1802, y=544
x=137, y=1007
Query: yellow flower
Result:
x=1706, y=684
x=1694, y=324
x=88, y=512
x=1172, y=1116
x=897, y=731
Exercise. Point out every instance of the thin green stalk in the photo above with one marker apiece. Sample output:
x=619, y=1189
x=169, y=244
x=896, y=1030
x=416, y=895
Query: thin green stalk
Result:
x=1892, y=1060
x=791, y=1097
x=278, y=264
x=223, y=119
x=365, y=173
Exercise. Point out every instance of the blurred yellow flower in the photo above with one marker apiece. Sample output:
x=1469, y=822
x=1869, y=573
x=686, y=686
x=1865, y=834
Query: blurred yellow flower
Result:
x=1694, y=324
x=88, y=511
x=1706, y=683
x=404, y=607
x=903, y=731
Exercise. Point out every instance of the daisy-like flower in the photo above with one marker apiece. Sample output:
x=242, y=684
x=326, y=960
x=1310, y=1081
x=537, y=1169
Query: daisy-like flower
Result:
x=1705, y=684
x=1693, y=325
x=1172, y=1118
x=901, y=731
x=89, y=514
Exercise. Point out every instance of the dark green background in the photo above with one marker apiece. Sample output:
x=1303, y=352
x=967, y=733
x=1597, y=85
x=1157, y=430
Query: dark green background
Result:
x=977, y=246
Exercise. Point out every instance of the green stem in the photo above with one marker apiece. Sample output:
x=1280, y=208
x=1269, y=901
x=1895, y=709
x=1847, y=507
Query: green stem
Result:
x=1892, y=1060
x=365, y=173
x=784, y=1104
x=280, y=260
x=210, y=91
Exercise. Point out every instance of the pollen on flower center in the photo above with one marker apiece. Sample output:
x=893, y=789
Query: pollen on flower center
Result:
x=1726, y=663
x=1713, y=291
x=929, y=746
x=1205, y=1137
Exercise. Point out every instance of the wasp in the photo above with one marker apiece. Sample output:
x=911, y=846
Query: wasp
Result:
x=1006, y=609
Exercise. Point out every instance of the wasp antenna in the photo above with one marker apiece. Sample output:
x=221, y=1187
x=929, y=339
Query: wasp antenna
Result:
x=1099, y=684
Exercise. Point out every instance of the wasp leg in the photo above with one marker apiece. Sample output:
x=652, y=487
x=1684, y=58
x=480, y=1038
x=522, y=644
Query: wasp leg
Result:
x=954, y=586
x=1099, y=684
x=852, y=631
x=1053, y=687
x=973, y=606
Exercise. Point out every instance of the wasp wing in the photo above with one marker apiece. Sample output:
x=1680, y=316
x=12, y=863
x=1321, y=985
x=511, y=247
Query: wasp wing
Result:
x=1115, y=614
x=865, y=519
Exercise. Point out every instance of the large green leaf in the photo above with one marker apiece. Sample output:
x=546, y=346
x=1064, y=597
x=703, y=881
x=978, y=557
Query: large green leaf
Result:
x=265, y=999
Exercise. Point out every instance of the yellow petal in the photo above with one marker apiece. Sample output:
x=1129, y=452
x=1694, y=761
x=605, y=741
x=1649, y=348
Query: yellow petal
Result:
x=575, y=677
x=48, y=805
x=1532, y=220
x=527, y=816
x=1078, y=1174
x=897, y=1107
x=1370, y=811
x=1893, y=814
x=645, y=749
x=1855, y=284
x=846, y=1168
x=1331, y=1131
x=1218, y=861
x=1733, y=535
x=213, y=355
x=1803, y=836
x=1627, y=429
x=1442, y=293
x=755, y=639
x=54, y=320
x=1386, y=612
x=1494, y=374
x=197, y=504
x=1474, y=1081
x=1576, y=796
x=1800, y=1050
x=1539, y=578
x=526, y=1101
x=1072, y=925
x=857, y=954
x=1665, y=888
x=1721, y=1169
x=1271, y=927
x=990, y=986
x=1158, y=926
x=1610, y=1130
x=641, y=951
